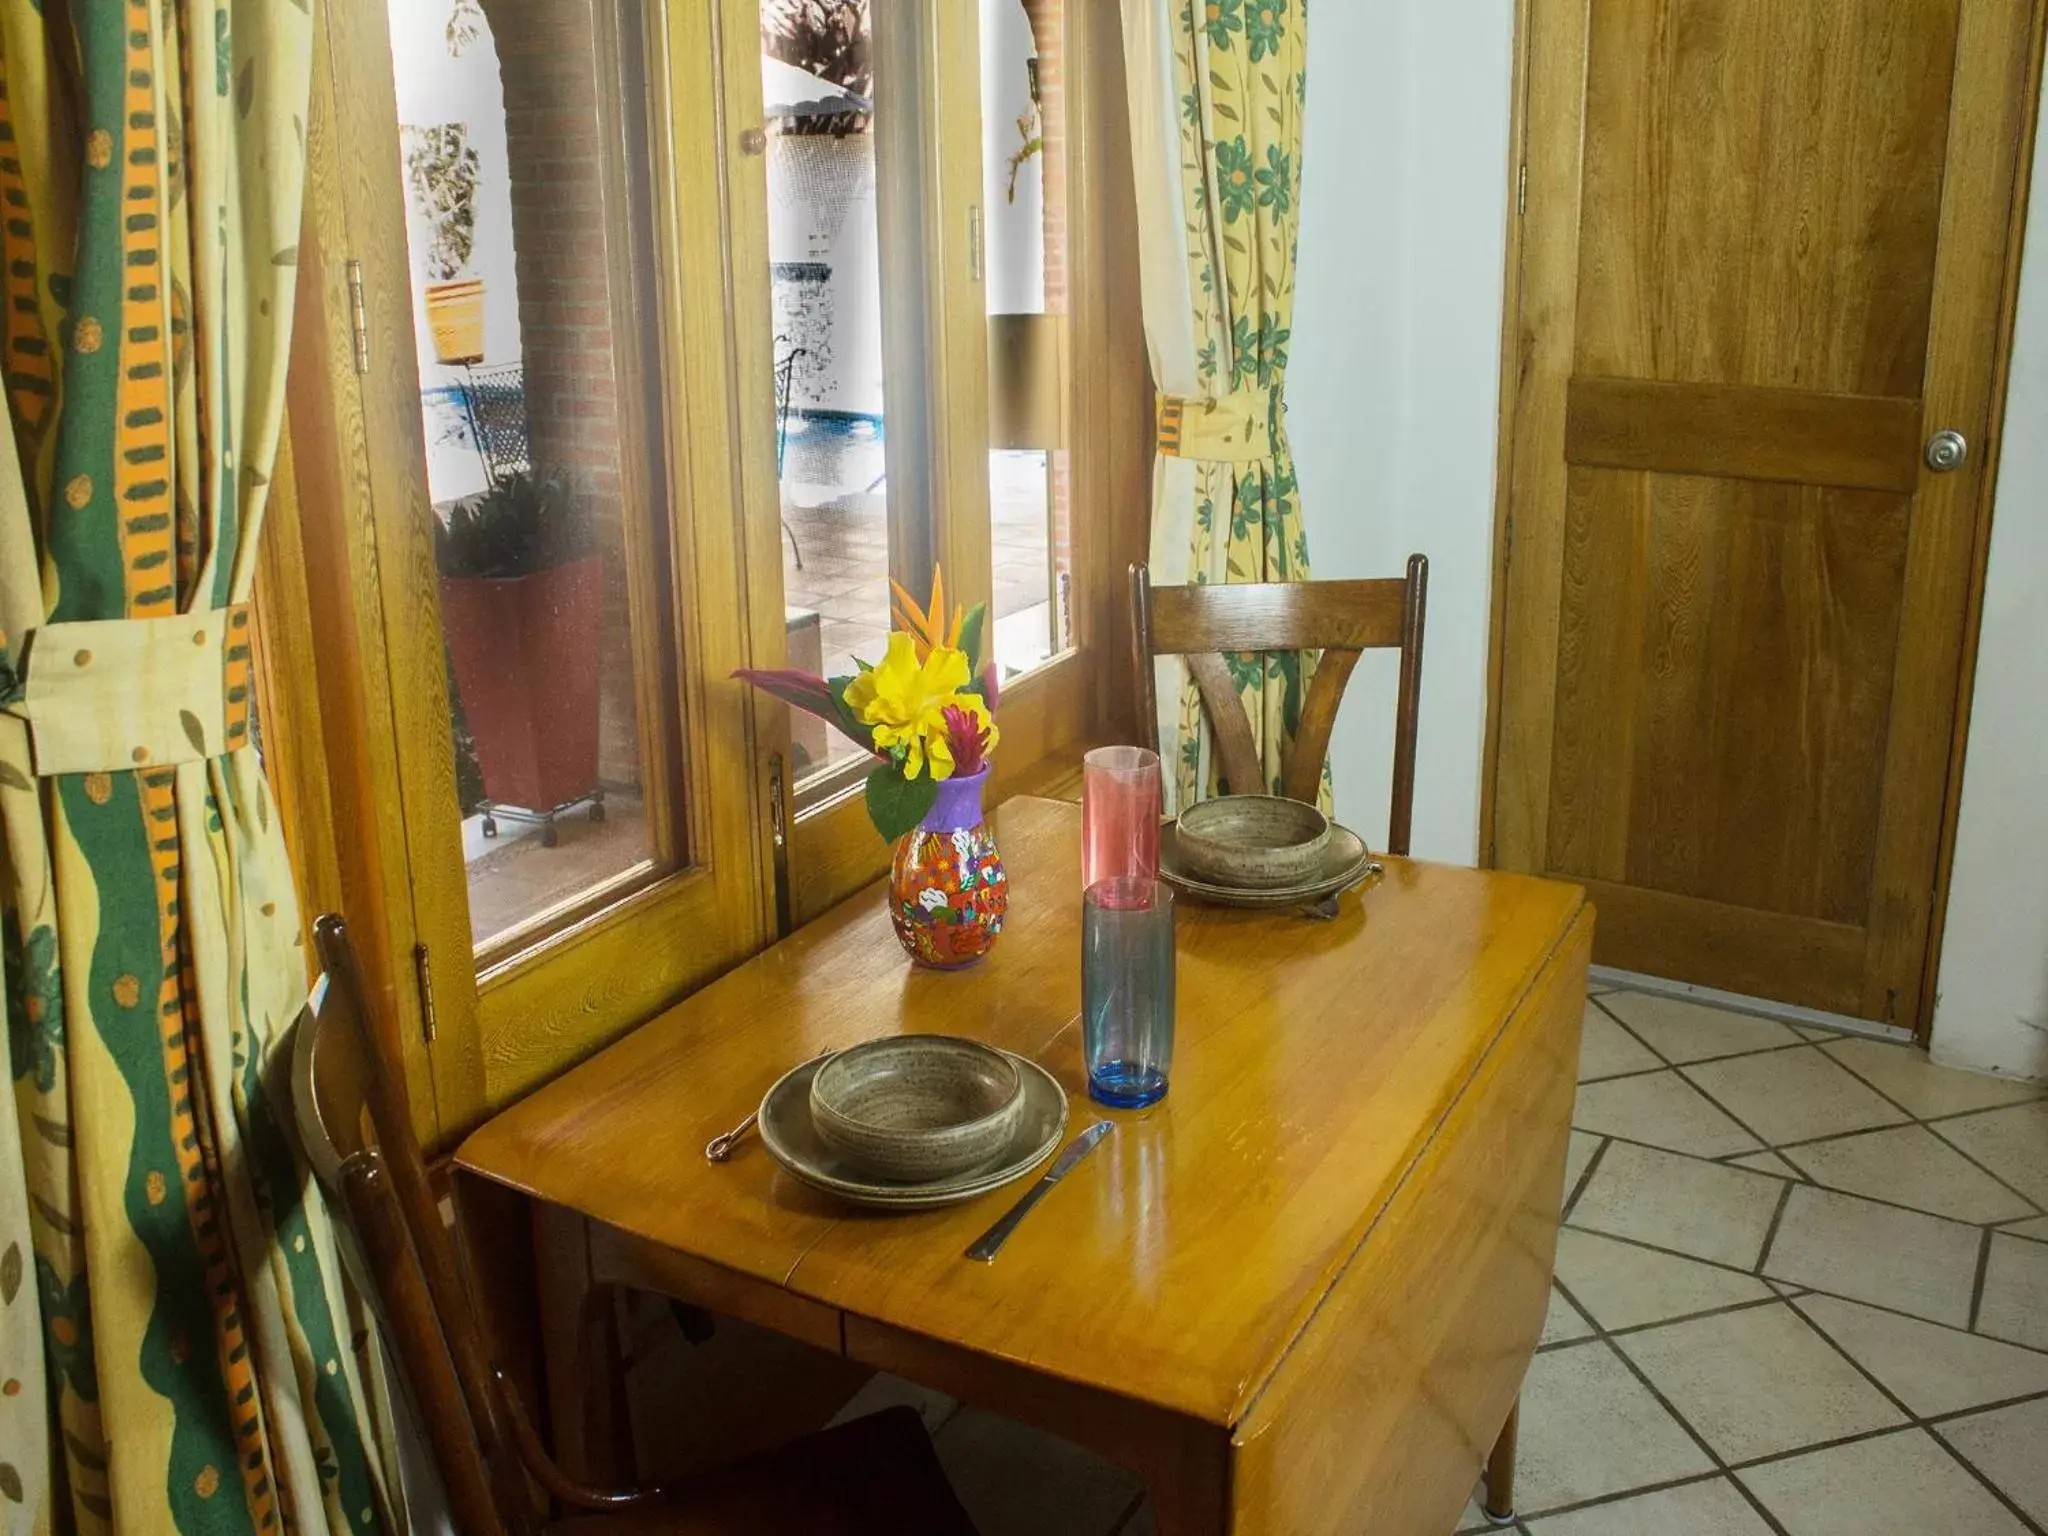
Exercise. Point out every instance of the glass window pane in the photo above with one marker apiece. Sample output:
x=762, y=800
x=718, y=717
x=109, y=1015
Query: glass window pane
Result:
x=530, y=277
x=1024, y=185
x=818, y=90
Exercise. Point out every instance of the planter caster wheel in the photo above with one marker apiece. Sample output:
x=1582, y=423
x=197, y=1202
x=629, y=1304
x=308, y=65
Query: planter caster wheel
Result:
x=597, y=810
x=549, y=836
x=490, y=827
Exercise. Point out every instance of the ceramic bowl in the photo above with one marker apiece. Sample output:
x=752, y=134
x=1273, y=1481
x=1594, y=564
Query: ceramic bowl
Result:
x=1252, y=842
x=917, y=1107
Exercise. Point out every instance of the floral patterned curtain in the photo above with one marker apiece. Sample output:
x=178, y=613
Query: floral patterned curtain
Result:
x=1216, y=90
x=175, y=1355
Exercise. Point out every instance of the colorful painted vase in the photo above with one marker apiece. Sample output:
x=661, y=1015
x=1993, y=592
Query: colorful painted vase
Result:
x=947, y=890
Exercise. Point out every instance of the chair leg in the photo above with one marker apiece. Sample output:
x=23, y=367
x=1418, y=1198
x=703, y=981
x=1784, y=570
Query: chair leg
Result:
x=1499, y=1503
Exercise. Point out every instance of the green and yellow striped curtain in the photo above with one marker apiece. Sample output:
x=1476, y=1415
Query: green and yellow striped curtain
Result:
x=175, y=1354
x=1216, y=90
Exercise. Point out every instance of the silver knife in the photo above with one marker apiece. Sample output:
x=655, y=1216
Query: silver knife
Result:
x=985, y=1246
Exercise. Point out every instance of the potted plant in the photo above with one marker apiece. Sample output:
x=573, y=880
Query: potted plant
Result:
x=926, y=712
x=522, y=599
x=441, y=167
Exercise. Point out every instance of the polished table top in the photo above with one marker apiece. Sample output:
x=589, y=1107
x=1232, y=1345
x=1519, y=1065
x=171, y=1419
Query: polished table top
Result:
x=1313, y=1063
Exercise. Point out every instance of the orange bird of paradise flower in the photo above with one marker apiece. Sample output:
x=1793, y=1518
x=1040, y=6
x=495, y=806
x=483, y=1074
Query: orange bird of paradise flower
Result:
x=923, y=625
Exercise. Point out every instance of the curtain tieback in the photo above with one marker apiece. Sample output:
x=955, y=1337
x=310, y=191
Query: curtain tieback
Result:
x=1238, y=429
x=106, y=695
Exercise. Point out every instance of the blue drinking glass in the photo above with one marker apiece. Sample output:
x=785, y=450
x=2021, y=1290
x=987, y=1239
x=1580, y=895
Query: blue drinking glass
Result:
x=1127, y=990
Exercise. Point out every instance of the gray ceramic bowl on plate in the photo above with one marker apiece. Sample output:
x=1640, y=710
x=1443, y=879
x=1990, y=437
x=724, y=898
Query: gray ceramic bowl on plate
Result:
x=1252, y=842
x=917, y=1107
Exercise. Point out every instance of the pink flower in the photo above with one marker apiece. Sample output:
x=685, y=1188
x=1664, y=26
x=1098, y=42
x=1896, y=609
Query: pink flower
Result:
x=967, y=738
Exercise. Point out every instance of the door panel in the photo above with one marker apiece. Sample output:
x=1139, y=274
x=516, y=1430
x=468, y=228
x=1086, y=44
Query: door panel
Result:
x=1762, y=188
x=1764, y=258
x=1714, y=738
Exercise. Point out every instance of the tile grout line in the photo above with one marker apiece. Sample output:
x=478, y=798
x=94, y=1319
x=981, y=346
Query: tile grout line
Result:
x=1940, y=1421
x=1927, y=1425
x=1932, y=1124
x=1123, y=1521
x=1763, y=1256
x=1713, y=1456
x=1681, y=1317
x=1761, y=1140
x=1928, y=1123
x=1934, y=1128
x=1977, y=1282
x=1632, y=1493
x=1585, y=1177
x=1802, y=1178
x=1877, y=1306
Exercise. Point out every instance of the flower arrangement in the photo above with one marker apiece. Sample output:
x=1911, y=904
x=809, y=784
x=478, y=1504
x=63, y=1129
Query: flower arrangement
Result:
x=926, y=709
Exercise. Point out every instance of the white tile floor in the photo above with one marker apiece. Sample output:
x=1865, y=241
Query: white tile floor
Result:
x=1802, y=1290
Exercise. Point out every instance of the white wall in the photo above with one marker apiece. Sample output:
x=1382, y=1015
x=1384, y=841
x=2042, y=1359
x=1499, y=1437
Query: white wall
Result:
x=1014, y=237
x=1991, y=1008
x=1394, y=366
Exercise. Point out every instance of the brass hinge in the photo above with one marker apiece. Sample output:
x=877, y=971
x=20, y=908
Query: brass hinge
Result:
x=1522, y=189
x=423, y=974
x=359, y=317
x=778, y=831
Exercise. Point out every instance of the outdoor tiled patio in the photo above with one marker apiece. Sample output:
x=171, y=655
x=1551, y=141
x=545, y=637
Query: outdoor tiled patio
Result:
x=834, y=507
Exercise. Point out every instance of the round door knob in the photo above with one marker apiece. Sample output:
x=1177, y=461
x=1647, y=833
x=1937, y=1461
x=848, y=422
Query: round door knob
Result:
x=1946, y=451
x=753, y=141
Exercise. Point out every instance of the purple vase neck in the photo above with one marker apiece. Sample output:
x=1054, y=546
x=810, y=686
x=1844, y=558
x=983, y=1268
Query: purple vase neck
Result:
x=958, y=805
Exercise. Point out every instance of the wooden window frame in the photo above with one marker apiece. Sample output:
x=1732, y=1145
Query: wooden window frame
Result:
x=353, y=673
x=1082, y=695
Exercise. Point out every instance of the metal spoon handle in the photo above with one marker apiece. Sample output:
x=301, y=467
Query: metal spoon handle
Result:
x=719, y=1148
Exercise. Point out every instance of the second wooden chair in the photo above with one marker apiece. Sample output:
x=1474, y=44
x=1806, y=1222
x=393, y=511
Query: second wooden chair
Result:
x=1342, y=619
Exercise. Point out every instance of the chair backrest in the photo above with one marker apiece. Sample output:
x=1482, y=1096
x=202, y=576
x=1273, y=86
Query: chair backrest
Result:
x=1339, y=618
x=353, y=1121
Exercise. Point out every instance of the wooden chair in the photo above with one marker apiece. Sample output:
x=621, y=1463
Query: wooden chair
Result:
x=872, y=1475
x=1339, y=618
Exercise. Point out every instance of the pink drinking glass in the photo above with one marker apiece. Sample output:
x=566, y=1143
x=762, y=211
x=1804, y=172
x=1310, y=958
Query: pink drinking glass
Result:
x=1120, y=800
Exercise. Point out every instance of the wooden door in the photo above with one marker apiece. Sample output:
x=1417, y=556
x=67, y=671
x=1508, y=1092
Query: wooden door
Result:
x=1765, y=257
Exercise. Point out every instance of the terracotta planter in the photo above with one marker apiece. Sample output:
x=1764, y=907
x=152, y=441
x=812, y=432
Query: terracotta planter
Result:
x=455, y=315
x=525, y=655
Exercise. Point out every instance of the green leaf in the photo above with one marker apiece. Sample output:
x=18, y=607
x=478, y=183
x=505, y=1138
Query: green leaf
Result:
x=897, y=804
x=843, y=716
x=10, y=1273
x=10, y=1482
x=194, y=731
x=970, y=637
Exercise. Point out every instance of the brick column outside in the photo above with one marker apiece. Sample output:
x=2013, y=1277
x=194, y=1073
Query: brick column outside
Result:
x=548, y=71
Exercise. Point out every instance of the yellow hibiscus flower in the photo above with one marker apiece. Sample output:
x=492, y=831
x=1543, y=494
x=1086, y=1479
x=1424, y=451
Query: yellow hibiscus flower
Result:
x=904, y=700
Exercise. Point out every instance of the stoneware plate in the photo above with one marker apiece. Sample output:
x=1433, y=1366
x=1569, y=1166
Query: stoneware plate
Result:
x=791, y=1139
x=1343, y=862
